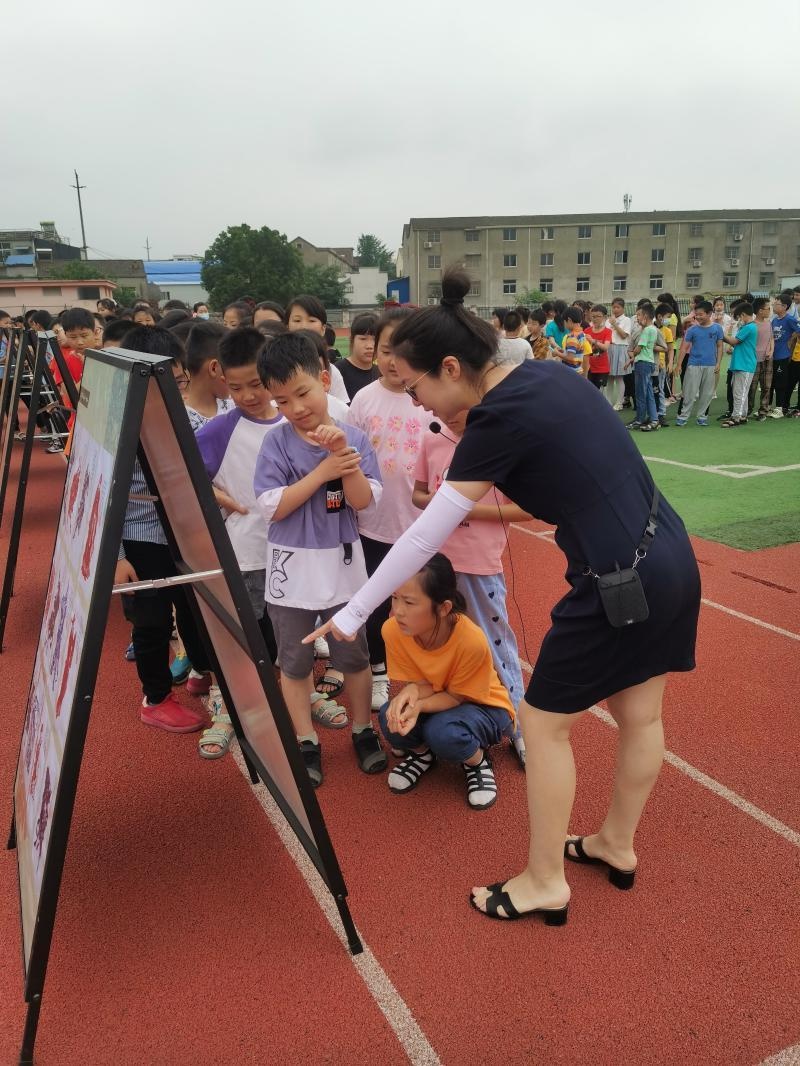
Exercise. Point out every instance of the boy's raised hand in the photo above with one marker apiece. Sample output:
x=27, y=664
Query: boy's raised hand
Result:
x=340, y=464
x=332, y=438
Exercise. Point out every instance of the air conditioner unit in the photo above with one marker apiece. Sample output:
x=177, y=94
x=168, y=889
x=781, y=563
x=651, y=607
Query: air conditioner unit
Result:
x=428, y=244
x=737, y=236
x=770, y=262
x=734, y=262
x=697, y=263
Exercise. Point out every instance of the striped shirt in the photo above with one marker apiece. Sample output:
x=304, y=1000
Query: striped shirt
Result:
x=141, y=518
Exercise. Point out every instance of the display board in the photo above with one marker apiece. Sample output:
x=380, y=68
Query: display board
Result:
x=128, y=400
x=9, y=402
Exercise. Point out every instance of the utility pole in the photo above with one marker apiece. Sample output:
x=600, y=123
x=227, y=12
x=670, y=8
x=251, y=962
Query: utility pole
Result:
x=147, y=248
x=77, y=186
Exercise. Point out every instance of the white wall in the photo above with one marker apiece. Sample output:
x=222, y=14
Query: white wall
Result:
x=365, y=285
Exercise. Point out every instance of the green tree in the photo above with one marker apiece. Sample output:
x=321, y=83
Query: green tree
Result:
x=531, y=298
x=327, y=284
x=125, y=295
x=253, y=262
x=372, y=252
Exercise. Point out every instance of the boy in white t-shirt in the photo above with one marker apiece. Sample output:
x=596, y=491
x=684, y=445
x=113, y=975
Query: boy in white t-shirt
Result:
x=229, y=445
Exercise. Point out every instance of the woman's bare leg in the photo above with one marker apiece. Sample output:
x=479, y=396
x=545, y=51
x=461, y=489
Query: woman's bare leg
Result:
x=640, y=753
x=550, y=774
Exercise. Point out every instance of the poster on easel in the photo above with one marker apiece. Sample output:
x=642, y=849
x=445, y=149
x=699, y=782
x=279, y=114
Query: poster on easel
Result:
x=129, y=403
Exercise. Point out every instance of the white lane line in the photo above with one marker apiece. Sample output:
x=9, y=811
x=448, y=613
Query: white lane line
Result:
x=547, y=536
x=790, y=1056
x=749, y=618
x=389, y=1001
x=710, y=783
x=726, y=470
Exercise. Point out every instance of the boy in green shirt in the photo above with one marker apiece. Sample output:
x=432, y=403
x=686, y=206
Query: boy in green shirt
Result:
x=643, y=361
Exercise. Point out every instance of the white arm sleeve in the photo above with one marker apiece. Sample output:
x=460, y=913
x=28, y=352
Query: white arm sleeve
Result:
x=420, y=541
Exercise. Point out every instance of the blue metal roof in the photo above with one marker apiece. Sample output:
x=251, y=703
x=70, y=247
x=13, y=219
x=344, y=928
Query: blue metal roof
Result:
x=172, y=272
x=20, y=260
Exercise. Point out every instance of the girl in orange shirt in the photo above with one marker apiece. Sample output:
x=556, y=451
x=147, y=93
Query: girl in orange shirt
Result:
x=453, y=706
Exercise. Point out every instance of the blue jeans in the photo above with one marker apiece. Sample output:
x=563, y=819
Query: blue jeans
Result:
x=453, y=735
x=486, y=606
x=645, y=400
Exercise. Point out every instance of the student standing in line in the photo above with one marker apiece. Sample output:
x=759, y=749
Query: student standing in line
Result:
x=784, y=331
x=621, y=326
x=643, y=359
x=206, y=395
x=702, y=349
x=743, y=364
x=596, y=366
x=358, y=369
x=307, y=312
x=765, y=346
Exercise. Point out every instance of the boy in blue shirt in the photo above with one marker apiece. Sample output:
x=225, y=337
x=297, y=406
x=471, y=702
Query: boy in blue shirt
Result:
x=785, y=328
x=703, y=342
x=743, y=364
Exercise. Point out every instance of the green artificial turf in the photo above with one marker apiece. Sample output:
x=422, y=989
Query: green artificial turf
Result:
x=749, y=513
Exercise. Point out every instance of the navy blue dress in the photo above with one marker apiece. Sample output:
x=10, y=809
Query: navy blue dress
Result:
x=551, y=442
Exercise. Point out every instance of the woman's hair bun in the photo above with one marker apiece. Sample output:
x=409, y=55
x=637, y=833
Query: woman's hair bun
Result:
x=456, y=283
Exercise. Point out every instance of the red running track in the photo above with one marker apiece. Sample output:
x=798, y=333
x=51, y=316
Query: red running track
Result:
x=186, y=934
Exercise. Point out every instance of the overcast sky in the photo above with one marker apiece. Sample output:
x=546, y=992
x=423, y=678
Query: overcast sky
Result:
x=328, y=120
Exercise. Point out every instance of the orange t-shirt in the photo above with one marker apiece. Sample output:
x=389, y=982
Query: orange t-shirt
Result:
x=463, y=665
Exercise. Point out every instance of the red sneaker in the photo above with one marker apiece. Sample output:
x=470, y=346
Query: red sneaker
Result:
x=172, y=716
x=198, y=684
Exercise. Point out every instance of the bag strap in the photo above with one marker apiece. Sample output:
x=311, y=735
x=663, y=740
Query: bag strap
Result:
x=650, y=529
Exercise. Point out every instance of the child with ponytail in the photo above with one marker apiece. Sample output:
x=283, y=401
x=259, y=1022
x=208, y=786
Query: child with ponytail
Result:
x=453, y=705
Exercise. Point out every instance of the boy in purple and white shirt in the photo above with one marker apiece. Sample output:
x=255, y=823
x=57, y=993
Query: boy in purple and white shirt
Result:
x=312, y=475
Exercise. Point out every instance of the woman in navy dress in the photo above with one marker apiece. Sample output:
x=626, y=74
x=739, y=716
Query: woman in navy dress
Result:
x=553, y=445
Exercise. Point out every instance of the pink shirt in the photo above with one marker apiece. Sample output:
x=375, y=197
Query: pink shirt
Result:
x=394, y=427
x=476, y=547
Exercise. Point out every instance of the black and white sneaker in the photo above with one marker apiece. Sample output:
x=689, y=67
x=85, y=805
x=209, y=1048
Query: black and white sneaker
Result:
x=407, y=773
x=481, y=785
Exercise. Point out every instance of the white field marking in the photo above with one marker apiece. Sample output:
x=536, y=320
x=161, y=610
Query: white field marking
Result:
x=710, y=783
x=735, y=470
x=547, y=535
x=790, y=1056
x=756, y=621
x=389, y=1001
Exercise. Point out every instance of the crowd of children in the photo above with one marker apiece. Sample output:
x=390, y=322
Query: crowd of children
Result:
x=319, y=463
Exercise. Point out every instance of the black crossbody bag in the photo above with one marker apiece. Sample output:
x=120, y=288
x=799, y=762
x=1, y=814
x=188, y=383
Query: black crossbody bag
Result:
x=621, y=592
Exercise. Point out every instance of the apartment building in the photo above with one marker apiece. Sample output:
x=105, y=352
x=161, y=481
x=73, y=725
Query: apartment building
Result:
x=596, y=257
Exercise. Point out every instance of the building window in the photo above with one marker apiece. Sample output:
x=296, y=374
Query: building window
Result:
x=695, y=229
x=657, y=255
x=547, y=233
x=546, y=259
x=619, y=285
x=656, y=281
x=88, y=292
x=509, y=287
x=659, y=229
x=731, y=251
x=472, y=259
x=475, y=289
x=435, y=290
x=432, y=301
x=9, y=293
x=581, y=285
x=769, y=251
x=434, y=236
x=766, y=279
x=509, y=234
x=621, y=256
x=695, y=253
x=545, y=284
x=621, y=231
x=693, y=281
x=509, y=260
x=52, y=290
x=769, y=229
x=734, y=230
x=434, y=262
x=729, y=281
x=584, y=258
x=584, y=232
x=471, y=235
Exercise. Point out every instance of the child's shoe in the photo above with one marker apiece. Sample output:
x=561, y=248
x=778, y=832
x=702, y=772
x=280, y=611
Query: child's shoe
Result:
x=130, y=654
x=380, y=690
x=406, y=775
x=681, y=421
x=198, y=684
x=702, y=421
x=180, y=669
x=312, y=757
x=321, y=649
x=481, y=785
x=171, y=716
x=371, y=756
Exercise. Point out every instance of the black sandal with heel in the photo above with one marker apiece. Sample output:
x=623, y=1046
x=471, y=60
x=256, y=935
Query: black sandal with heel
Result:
x=500, y=898
x=619, y=878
